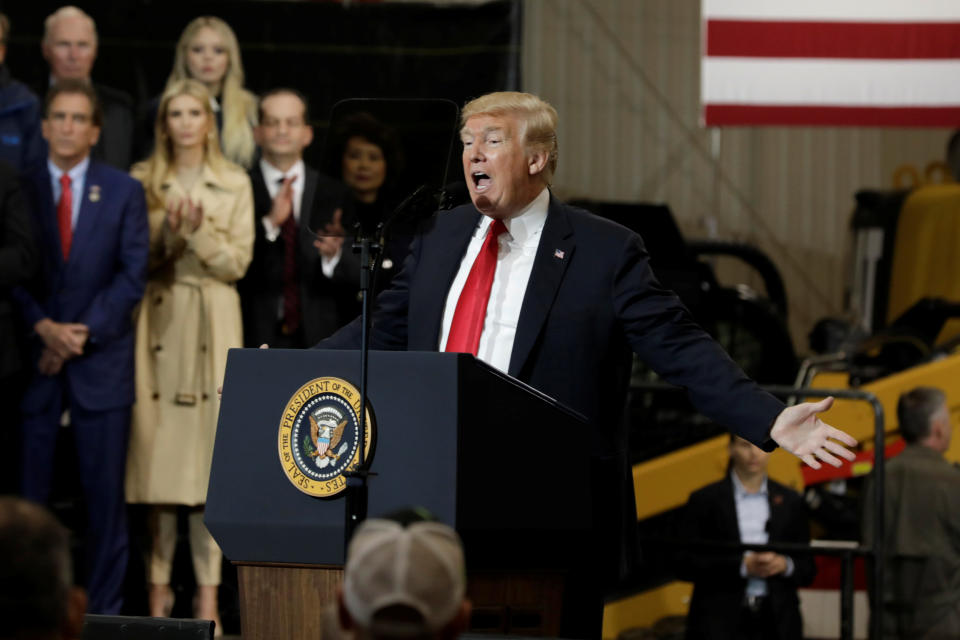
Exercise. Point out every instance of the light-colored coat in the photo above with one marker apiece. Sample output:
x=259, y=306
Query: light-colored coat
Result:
x=189, y=317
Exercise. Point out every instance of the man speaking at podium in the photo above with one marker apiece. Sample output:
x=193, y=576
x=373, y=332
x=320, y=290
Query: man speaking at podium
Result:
x=559, y=298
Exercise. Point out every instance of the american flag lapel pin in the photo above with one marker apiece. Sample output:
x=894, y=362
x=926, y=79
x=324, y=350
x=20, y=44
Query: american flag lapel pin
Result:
x=558, y=253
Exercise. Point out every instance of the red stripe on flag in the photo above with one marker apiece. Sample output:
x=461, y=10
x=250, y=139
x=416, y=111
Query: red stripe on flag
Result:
x=879, y=40
x=743, y=115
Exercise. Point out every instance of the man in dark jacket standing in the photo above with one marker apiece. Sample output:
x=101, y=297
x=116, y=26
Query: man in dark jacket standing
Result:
x=20, y=142
x=18, y=260
x=921, y=591
x=750, y=595
x=300, y=287
x=70, y=48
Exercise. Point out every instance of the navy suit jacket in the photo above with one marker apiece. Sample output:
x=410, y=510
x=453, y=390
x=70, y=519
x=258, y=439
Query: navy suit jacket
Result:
x=592, y=299
x=99, y=285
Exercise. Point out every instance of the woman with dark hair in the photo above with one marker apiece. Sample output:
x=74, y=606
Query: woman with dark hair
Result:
x=366, y=157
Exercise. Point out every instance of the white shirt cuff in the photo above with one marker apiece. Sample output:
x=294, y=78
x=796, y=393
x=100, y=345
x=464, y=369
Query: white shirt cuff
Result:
x=789, y=570
x=328, y=265
x=743, y=565
x=272, y=230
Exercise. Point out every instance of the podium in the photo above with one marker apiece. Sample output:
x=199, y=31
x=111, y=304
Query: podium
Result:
x=505, y=465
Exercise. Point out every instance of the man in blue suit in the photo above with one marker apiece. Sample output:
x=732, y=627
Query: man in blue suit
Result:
x=560, y=298
x=90, y=221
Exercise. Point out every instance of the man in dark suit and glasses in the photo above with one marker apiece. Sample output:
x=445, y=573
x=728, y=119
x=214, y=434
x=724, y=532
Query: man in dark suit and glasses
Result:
x=559, y=299
x=90, y=221
x=299, y=287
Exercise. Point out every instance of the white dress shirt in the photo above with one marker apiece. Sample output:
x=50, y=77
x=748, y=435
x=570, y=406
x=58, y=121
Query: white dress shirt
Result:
x=78, y=177
x=518, y=248
x=753, y=516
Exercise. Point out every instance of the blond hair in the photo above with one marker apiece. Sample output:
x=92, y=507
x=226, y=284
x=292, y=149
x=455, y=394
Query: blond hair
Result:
x=538, y=121
x=239, y=105
x=68, y=11
x=153, y=171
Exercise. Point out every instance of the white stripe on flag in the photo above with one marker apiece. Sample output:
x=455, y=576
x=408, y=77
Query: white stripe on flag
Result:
x=834, y=10
x=780, y=81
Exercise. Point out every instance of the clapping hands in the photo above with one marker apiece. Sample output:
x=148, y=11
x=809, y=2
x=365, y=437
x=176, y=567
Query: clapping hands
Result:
x=185, y=211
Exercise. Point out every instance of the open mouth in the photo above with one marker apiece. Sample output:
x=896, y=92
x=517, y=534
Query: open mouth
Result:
x=481, y=181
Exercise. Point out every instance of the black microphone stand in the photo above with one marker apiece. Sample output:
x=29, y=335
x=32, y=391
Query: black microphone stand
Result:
x=369, y=247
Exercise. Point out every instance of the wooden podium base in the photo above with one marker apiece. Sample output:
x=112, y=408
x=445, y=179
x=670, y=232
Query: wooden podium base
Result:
x=285, y=600
x=289, y=601
x=516, y=604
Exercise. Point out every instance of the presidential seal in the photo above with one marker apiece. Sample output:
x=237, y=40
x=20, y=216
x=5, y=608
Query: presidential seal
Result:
x=319, y=436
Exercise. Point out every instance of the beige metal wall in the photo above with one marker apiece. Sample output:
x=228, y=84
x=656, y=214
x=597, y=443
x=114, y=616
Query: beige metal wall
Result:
x=624, y=76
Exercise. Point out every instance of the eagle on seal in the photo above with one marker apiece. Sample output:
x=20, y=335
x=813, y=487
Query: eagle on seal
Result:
x=326, y=438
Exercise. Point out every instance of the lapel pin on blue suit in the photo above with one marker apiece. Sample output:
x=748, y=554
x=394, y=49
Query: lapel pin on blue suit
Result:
x=557, y=253
x=94, y=193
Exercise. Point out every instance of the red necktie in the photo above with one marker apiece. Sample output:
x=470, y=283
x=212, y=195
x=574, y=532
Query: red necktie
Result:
x=471, y=311
x=65, y=214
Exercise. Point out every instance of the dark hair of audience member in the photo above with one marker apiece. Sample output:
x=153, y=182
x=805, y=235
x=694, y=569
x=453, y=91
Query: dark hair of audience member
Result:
x=74, y=86
x=35, y=570
x=281, y=91
x=915, y=409
x=363, y=125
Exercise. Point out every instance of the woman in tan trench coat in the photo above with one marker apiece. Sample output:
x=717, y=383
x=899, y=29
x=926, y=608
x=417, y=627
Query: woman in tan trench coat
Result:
x=201, y=241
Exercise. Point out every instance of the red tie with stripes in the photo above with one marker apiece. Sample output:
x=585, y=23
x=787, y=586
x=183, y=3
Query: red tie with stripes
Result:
x=65, y=215
x=471, y=311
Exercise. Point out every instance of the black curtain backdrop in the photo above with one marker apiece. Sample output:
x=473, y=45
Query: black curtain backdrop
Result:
x=327, y=50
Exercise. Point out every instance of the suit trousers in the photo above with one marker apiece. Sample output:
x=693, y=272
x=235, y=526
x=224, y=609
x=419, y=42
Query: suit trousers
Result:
x=101, y=446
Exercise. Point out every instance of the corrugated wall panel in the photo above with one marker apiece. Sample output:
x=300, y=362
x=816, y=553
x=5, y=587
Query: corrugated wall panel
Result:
x=625, y=76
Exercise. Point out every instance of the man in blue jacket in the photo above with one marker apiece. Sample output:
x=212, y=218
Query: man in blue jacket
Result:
x=90, y=222
x=20, y=142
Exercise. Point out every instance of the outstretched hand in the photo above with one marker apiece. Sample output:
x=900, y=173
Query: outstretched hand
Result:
x=798, y=430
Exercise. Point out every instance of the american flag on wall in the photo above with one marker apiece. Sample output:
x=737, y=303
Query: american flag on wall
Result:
x=831, y=62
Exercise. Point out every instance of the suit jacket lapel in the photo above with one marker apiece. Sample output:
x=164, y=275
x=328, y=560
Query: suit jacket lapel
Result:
x=424, y=333
x=776, y=523
x=48, y=215
x=90, y=206
x=306, y=201
x=553, y=255
x=728, y=510
x=261, y=197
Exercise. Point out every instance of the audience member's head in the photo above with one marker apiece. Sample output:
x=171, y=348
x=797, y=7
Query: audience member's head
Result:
x=284, y=130
x=209, y=53
x=365, y=155
x=185, y=124
x=4, y=36
x=924, y=418
x=69, y=44
x=747, y=459
x=37, y=598
x=186, y=101
x=404, y=581
x=71, y=122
